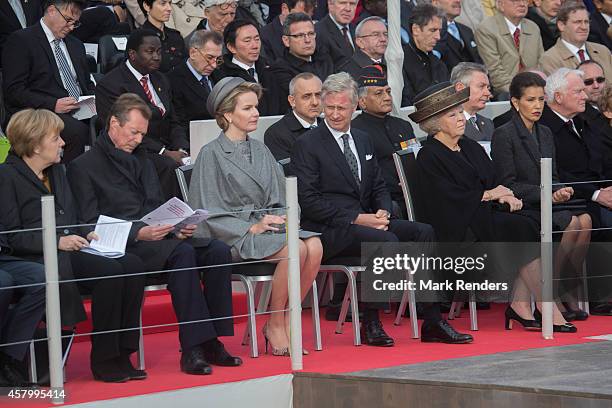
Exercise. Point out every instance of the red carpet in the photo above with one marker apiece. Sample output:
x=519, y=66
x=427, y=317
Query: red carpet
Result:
x=339, y=355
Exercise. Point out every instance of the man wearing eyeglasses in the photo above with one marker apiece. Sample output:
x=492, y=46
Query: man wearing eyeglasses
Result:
x=371, y=38
x=594, y=85
x=45, y=67
x=191, y=82
x=272, y=33
x=573, y=48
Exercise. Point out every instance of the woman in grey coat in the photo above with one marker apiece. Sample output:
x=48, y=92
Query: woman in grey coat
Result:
x=516, y=150
x=238, y=173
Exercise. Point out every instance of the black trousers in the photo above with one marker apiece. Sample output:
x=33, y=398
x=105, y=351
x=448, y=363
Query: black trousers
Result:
x=19, y=323
x=399, y=231
x=116, y=302
x=190, y=302
x=75, y=135
x=165, y=168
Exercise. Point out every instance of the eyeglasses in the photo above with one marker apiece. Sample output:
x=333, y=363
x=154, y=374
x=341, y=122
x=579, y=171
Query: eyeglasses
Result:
x=233, y=5
x=303, y=36
x=590, y=81
x=377, y=35
x=69, y=21
x=211, y=58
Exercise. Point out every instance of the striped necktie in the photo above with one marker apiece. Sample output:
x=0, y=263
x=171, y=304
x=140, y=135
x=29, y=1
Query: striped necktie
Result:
x=70, y=82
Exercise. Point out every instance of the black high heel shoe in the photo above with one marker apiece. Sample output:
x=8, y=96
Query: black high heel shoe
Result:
x=557, y=328
x=526, y=323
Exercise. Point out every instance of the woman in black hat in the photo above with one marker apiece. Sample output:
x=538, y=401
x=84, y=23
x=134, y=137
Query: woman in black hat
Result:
x=464, y=202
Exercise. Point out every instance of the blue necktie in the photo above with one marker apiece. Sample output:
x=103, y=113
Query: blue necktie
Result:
x=454, y=31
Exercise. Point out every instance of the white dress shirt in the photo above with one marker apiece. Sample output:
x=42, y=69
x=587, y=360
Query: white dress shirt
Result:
x=304, y=124
x=245, y=67
x=62, y=44
x=338, y=136
x=511, y=27
x=575, y=50
x=340, y=27
x=138, y=76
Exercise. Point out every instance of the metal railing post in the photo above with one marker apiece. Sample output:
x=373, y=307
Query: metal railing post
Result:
x=54, y=324
x=295, y=302
x=546, y=246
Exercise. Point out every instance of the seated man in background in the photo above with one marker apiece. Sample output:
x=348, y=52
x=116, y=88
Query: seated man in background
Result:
x=387, y=133
x=594, y=84
x=508, y=44
x=421, y=68
x=305, y=100
x=371, y=38
x=46, y=67
x=116, y=178
x=166, y=142
x=272, y=33
x=573, y=48
x=544, y=14
x=335, y=32
x=601, y=20
x=15, y=15
x=191, y=81
x=474, y=76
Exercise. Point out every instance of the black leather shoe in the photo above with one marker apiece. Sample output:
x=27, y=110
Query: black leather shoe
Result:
x=442, y=332
x=109, y=371
x=569, y=315
x=126, y=366
x=332, y=313
x=373, y=334
x=215, y=353
x=193, y=362
x=10, y=374
x=600, y=309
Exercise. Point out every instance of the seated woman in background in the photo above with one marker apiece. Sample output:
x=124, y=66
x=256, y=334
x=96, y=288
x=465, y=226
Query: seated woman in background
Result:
x=459, y=185
x=605, y=104
x=236, y=173
x=173, y=46
x=32, y=170
x=516, y=150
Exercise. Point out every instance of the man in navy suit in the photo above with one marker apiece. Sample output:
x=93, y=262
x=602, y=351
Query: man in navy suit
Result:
x=335, y=33
x=343, y=196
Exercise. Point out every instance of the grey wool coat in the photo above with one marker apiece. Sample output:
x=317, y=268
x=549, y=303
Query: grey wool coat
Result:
x=223, y=180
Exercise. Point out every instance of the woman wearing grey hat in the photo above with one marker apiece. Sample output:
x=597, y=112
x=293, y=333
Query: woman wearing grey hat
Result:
x=235, y=172
x=464, y=202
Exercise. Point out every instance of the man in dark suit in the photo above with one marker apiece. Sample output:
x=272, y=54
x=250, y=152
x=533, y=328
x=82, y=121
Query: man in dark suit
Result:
x=474, y=76
x=191, y=81
x=343, y=196
x=15, y=15
x=335, y=33
x=456, y=42
x=45, y=67
x=299, y=38
x=544, y=14
x=244, y=60
x=305, y=101
x=166, y=142
x=18, y=323
x=600, y=23
x=421, y=68
x=272, y=33
x=116, y=178
x=371, y=38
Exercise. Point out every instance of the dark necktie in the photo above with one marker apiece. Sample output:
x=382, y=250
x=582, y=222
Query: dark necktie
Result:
x=345, y=33
x=205, y=82
x=251, y=72
x=474, y=123
x=72, y=86
x=581, y=55
x=570, y=126
x=350, y=158
x=517, y=43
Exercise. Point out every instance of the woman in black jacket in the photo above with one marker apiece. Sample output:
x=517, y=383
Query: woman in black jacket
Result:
x=516, y=149
x=31, y=171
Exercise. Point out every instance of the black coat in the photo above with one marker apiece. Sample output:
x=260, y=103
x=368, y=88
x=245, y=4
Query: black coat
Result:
x=8, y=20
x=31, y=78
x=387, y=135
x=600, y=124
x=102, y=186
x=284, y=69
x=281, y=136
x=173, y=47
x=355, y=64
x=420, y=71
x=164, y=131
x=578, y=158
x=453, y=52
x=331, y=41
x=549, y=37
x=599, y=30
x=272, y=39
x=269, y=102
x=328, y=194
x=504, y=118
x=21, y=209
x=188, y=96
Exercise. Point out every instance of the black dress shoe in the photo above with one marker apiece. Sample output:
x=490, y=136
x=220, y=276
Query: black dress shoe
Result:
x=126, y=366
x=109, y=371
x=215, y=353
x=569, y=315
x=10, y=374
x=193, y=362
x=442, y=332
x=332, y=313
x=600, y=309
x=373, y=334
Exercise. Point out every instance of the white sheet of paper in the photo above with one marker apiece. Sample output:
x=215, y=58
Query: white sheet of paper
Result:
x=120, y=43
x=91, y=49
x=173, y=212
x=87, y=107
x=113, y=234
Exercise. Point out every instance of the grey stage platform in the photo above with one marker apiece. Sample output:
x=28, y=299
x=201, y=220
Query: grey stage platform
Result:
x=577, y=376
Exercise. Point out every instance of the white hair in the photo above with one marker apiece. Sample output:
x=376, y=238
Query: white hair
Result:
x=363, y=22
x=557, y=82
x=338, y=83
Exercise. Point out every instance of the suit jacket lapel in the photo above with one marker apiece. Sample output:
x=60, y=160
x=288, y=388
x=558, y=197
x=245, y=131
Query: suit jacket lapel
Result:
x=194, y=85
x=132, y=84
x=47, y=48
x=73, y=53
x=330, y=145
x=527, y=140
x=365, y=164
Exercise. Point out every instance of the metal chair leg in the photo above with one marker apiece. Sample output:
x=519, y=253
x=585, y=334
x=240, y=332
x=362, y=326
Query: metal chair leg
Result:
x=140, y=359
x=354, y=309
x=32, y=366
x=316, y=320
x=473, y=312
x=414, y=318
x=252, y=321
x=343, y=310
x=585, y=288
x=402, y=308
